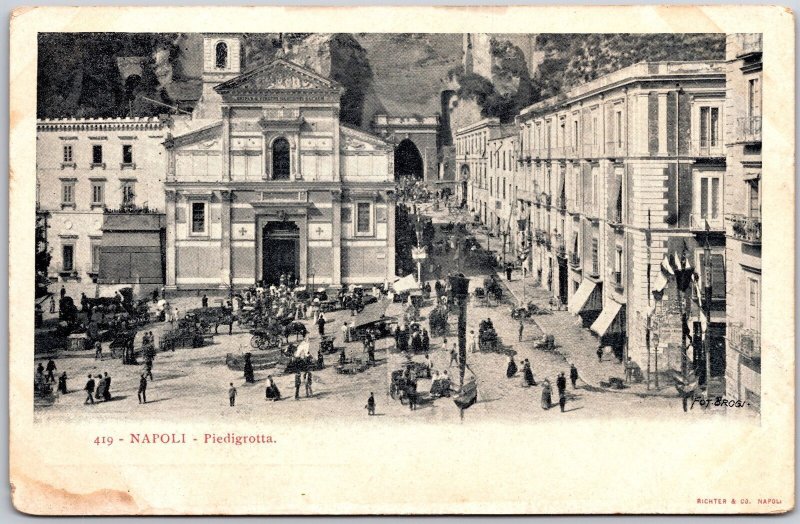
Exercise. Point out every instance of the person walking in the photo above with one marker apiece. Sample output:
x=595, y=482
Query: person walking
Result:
x=98, y=351
x=142, y=390
x=232, y=395
x=599, y=353
x=473, y=341
x=148, y=367
x=521, y=329
x=562, y=400
x=509, y=268
x=573, y=375
x=62, y=383
x=63, y=292
x=561, y=383
x=297, y=382
x=204, y=303
x=321, y=324
x=309, y=379
x=51, y=367
x=345, y=336
x=107, y=387
x=52, y=304
x=453, y=357
x=511, y=369
x=370, y=404
x=89, y=388
x=547, y=392
x=230, y=323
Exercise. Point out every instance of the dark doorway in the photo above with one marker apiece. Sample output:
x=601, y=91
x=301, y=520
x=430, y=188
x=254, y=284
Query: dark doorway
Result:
x=562, y=280
x=407, y=161
x=280, y=248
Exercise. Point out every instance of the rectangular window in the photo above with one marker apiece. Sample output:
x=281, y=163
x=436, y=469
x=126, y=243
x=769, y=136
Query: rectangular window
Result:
x=127, y=154
x=95, y=257
x=753, y=98
x=753, y=304
x=594, y=130
x=198, y=217
x=363, y=218
x=708, y=201
x=68, y=193
x=595, y=260
x=618, y=129
x=98, y=193
x=709, y=127
x=575, y=133
x=717, y=275
x=97, y=154
x=504, y=189
x=67, y=153
x=128, y=193
x=68, y=257
x=755, y=202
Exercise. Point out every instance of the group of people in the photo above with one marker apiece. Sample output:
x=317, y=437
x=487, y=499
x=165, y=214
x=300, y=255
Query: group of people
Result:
x=529, y=380
x=97, y=388
x=413, y=338
x=45, y=377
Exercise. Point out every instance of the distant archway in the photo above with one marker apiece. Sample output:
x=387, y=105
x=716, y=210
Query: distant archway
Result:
x=408, y=161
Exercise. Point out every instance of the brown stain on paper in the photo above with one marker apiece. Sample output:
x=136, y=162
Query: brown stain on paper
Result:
x=38, y=498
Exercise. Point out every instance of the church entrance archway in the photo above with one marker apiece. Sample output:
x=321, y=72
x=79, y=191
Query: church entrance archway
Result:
x=281, y=252
x=408, y=161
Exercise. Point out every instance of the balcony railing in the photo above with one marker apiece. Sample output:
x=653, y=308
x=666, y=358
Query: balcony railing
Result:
x=546, y=199
x=748, y=129
x=708, y=148
x=746, y=341
x=595, y=270
x=749, y=43
x=617, y=278
x=561, y=250
x=561, y=203
x=698, y=222
x=540, y=236
x=746, y=228
x=575, y=260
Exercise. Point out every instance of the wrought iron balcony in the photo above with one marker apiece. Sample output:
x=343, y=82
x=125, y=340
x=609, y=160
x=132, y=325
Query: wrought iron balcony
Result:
x=617, y=279
x=560, y=249
x=561, y=203
x=546, y=199
x=748, y=129
x=746, y=341
x=575, y=260
x=698, y=221
x=746, y=228
x=708, y=148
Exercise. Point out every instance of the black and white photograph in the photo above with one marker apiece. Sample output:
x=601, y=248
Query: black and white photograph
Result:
x=396, y=229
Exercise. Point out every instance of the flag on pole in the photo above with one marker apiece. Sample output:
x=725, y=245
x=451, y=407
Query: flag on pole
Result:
x=666, y=266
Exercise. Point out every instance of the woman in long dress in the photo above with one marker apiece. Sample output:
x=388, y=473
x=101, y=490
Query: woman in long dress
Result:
x=547, y=391
x=527, y=375
x=512, y=367
x=272, y=392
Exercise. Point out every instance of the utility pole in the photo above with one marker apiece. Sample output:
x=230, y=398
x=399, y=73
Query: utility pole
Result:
x=648, y=240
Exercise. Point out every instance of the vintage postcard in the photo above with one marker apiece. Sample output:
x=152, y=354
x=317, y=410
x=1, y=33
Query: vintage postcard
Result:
x=385, y=260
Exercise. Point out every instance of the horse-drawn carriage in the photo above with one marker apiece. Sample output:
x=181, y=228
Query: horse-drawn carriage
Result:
x=487, y=337
x=437, y=321
x=191, y=332
x=531, y=309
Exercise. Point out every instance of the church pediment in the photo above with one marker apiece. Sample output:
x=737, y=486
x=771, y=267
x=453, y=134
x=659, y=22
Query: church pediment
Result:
x=355, y=141
x=206, y=137
x=276, y=78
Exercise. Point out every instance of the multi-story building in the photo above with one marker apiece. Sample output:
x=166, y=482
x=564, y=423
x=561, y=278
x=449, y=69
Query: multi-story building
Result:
x=618, y=173
x=86, y=168
x=263, y=180
x=743, y=217
x=472, y=143
x=502, y=169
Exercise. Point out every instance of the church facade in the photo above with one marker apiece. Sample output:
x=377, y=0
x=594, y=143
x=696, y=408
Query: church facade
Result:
x=263, y=180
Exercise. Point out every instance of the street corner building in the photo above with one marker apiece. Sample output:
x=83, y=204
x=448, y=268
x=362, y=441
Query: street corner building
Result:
x=263, y=180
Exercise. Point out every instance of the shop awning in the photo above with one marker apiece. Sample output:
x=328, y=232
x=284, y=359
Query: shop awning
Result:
x=581, y=296
x=371, y=314
x=606, y=318
x=406, y=283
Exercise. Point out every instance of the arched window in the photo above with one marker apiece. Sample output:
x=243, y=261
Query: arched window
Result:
x=222, y=55
x=280, y=159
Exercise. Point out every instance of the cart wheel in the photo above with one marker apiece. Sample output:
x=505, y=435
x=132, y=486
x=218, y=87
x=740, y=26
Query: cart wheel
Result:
x=255, y=341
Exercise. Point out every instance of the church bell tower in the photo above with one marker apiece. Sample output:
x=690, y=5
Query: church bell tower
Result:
x=222, y=60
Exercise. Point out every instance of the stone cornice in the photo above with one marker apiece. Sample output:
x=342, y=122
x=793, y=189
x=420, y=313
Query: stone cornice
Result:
x=99, y=124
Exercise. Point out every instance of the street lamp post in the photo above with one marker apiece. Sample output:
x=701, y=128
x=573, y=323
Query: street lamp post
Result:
x=707, y=307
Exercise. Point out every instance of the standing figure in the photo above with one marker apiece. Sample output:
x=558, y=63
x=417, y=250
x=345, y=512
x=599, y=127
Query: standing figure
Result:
x=51, y=367
x=249, y=376
x=547, y=393
x=107, y=387
x=308, y=381
x=232, y=395
x=345, y=334
x=89, y=387
x=62, y=383
x=511, y=369
x=321, y=324
x=521, y=329
x=204, y=301
x=573, y=375
x=599, y=353
x=297, y=382
x=370, y=404
x=142, y=389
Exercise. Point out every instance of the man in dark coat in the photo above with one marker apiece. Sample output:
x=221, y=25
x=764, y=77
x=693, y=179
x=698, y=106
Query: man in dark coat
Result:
x=51, y=367
x=561, y=383
x=204, y=301
x=297, y=382
x=142, y=389
x=249, y=376
x=562, y=400
x=573, y=375
x=89, y=388
x=321, y=324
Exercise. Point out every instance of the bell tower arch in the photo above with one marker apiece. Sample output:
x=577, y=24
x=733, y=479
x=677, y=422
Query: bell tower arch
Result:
x=222, y=60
